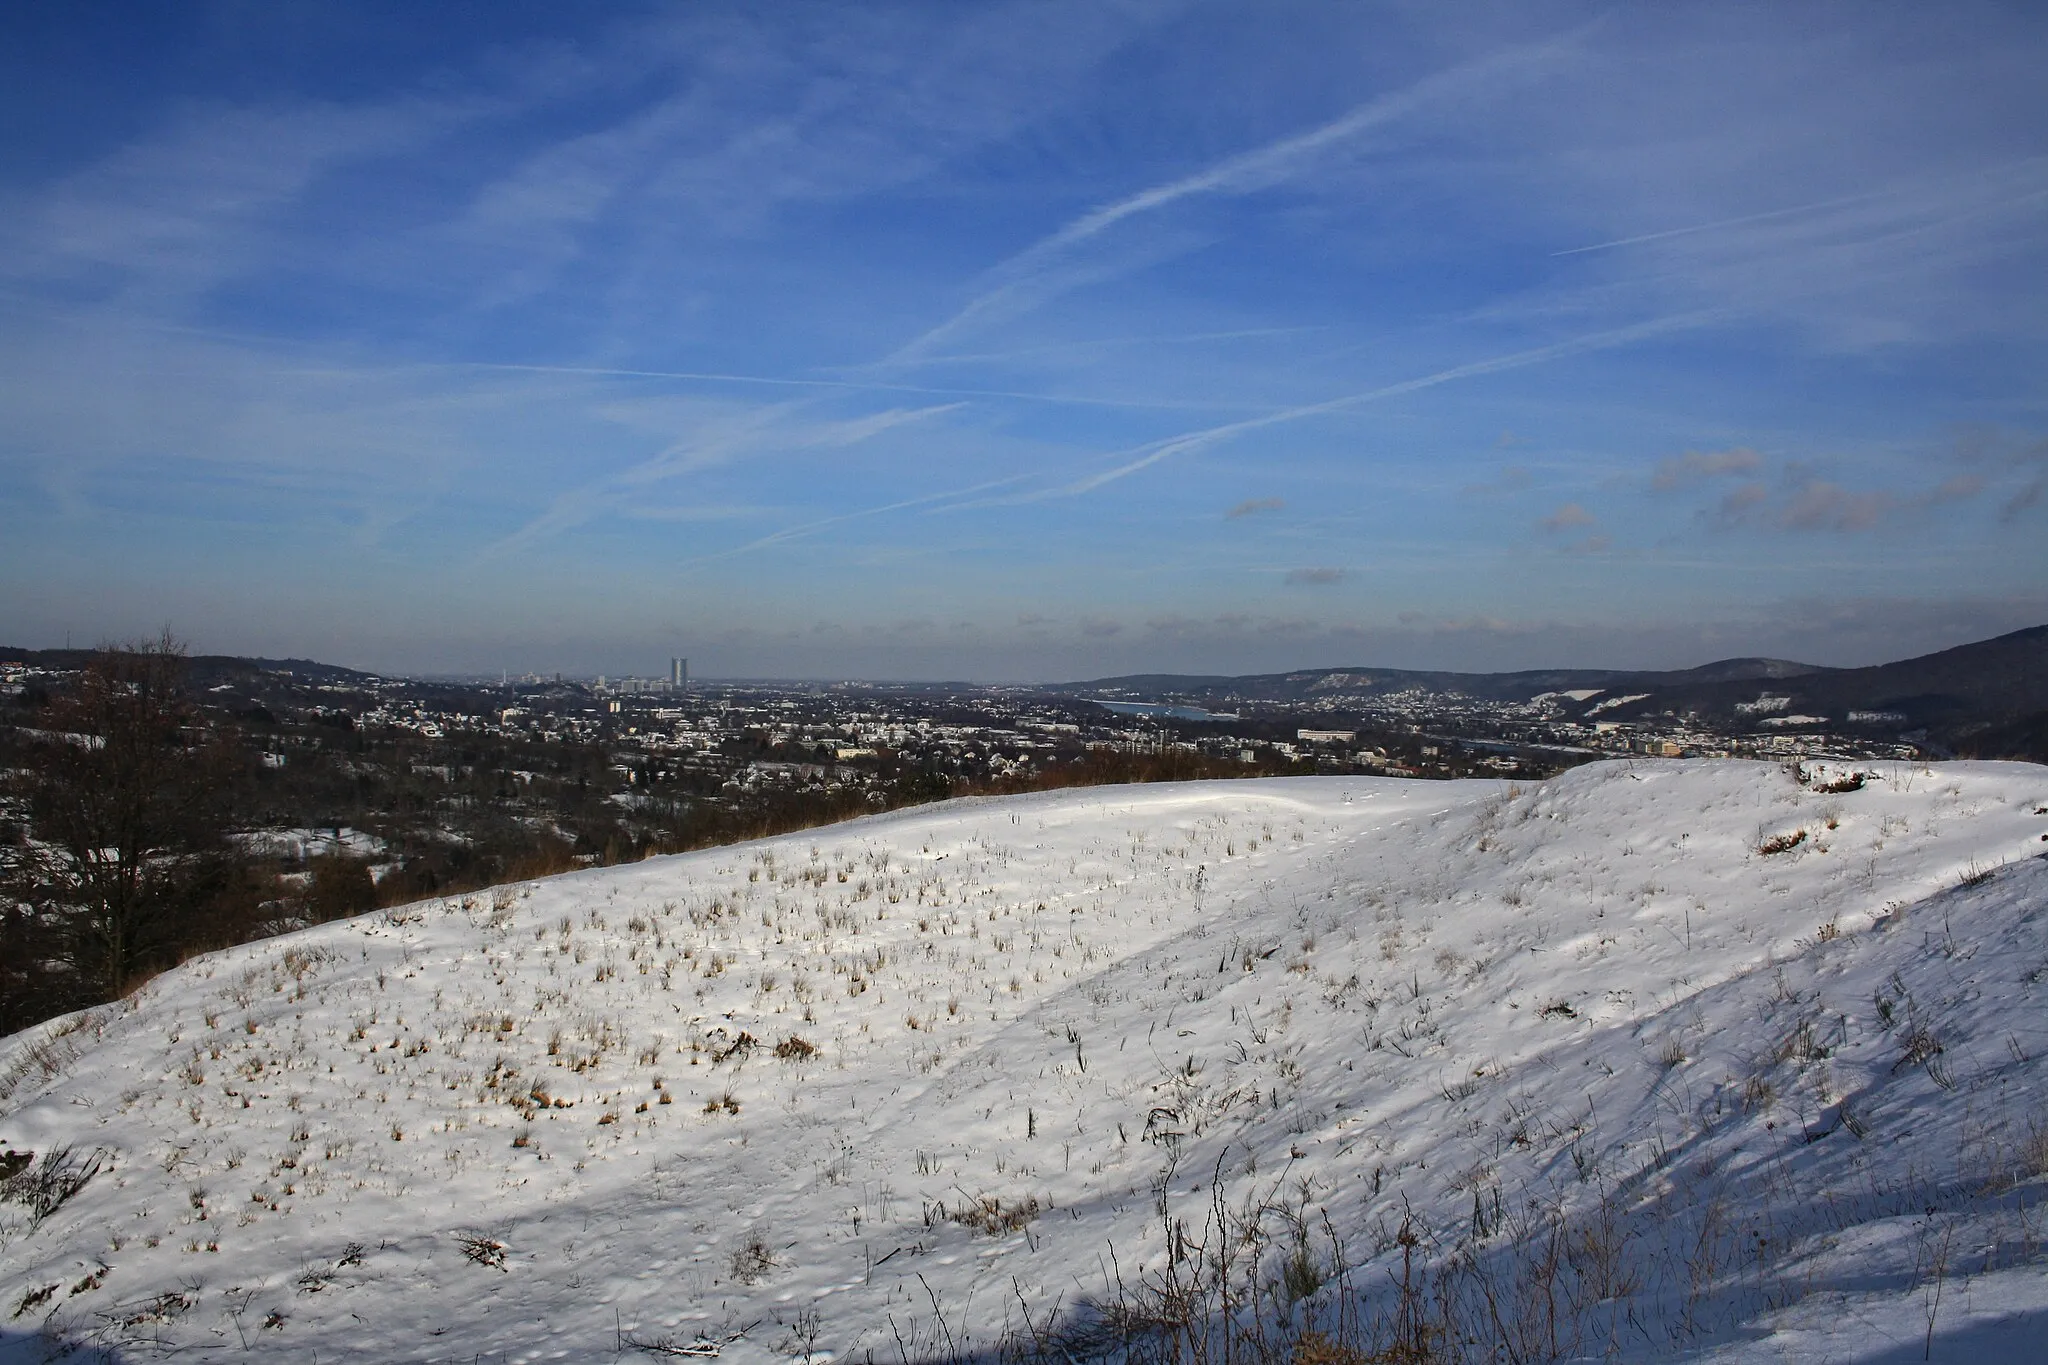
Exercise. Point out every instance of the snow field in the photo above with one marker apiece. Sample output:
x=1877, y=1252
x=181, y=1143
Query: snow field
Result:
x=930, y=1083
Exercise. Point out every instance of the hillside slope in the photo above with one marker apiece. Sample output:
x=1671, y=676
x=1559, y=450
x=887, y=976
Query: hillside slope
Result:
x=1633, y=1085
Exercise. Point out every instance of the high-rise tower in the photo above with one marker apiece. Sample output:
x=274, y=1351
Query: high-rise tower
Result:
x=678, y=674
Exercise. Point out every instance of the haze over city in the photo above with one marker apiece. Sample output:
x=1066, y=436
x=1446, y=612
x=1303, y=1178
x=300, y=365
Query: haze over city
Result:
x=1023, y=341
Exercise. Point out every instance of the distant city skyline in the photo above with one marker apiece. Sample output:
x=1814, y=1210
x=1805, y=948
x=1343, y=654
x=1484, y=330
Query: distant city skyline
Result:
x=1026, y=342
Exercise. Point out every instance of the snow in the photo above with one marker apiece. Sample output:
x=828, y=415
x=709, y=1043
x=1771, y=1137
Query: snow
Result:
x=1798, y=1096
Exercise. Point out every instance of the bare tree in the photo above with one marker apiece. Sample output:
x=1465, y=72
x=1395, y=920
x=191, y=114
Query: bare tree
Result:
x=122, y=797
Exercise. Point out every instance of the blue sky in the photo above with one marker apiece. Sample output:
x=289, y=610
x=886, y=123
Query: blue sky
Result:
x=1031, y=341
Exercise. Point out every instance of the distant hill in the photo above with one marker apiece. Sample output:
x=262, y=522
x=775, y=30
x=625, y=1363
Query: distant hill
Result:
x=1984, y=700
x=1992, y=694
x=1311, y=683
x=205, y=668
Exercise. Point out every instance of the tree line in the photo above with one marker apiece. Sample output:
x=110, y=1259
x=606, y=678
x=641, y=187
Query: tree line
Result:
x=115, y=859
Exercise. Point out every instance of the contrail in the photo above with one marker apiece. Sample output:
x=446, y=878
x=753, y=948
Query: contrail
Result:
x=684, y=456
x=1208, y=436
x=848, y=385
x=1911, y=196
x=1255, y=169
x=759, y=429
x=805, y=528
x=1720, y=223
x=1104, y=343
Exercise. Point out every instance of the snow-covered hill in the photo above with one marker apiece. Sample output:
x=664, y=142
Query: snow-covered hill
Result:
x=1653, y=1059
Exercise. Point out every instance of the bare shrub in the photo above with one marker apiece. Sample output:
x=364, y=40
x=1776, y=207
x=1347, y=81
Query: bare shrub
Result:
x=752, y=1260
x=1803, y=1044
x=990, y=1215
x=1301, y=1274
x=479, y=1249
x=39, y=1059
x=44, y=1186
x=2033, y=1150
x=1974, y=875
x=1317, y=1348
x=1918, y=1048
x=35, y=1298
x=738, y=1047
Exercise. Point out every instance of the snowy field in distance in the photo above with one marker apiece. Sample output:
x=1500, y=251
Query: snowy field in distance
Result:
x=885, y=1088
